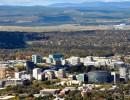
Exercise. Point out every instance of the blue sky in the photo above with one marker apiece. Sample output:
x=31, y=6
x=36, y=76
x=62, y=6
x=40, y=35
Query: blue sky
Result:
x=47, y=2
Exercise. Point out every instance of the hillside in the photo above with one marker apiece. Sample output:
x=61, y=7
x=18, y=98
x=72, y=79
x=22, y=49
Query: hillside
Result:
x=12, y=40
x=53, y=15
x=78, y=43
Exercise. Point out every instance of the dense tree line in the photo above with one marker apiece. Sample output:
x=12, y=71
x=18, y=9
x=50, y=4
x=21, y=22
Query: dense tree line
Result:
x=78, y=43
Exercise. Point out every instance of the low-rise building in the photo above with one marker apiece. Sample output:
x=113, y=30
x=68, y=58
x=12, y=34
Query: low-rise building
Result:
x=64, y=91
x=14, y=82
x=82, y=77
x=49, y=91
x=6, y=97
x=71, y=77
x=74, y=61
x=26, y=76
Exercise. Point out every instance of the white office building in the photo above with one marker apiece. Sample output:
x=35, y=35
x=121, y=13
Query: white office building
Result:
x=74, y=61
x=18, y=75
x=123, y=72
x=36, y=71
x=26, y=76
x=41, y=76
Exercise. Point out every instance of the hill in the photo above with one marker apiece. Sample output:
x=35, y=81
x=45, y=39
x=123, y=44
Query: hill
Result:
x=93, y=4
x=89, y=13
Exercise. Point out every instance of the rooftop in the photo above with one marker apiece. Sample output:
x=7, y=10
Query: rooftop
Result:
x=50, y=89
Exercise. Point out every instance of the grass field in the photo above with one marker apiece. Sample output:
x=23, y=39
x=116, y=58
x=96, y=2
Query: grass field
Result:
x=66, y=27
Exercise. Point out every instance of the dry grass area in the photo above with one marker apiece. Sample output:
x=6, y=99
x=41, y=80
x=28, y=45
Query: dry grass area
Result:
x=62, y=28
x=66, y=27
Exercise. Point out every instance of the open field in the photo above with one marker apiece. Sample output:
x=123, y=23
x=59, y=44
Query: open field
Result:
x=66, y=27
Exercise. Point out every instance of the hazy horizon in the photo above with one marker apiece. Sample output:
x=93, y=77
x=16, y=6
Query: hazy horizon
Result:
x=49, y=2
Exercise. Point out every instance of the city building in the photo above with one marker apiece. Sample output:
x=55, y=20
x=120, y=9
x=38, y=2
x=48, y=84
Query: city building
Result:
x=71, y=77
x=123, y=72
x=44, y=60
x=36, y=71
x=2, y=72
x=73, y=82
x=5, y=97
x=64, y=91
x=49, y=74
x=49, y=91
x=74, y=61
x=57, y=62
x=99, y=76
x=61, y=73
x=4, y=65
x=29, y=65
x=18, y=75
x=14, y=82
x=56, y=57
x=26, y=76
x=115, y=77
x=64, y=62
x=2, y=82
x=36, y=59
x=41, y=76
x=82, y=77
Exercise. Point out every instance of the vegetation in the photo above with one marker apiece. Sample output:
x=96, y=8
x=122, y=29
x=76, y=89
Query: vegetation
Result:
x=78, y=43
x=45, y=16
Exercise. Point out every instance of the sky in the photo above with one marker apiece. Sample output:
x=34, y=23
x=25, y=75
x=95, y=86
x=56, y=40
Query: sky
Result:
x=48, y=2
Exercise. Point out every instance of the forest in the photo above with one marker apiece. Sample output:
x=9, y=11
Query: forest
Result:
x=76, y=43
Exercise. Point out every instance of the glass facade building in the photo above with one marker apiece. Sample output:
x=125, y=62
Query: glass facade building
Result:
x=99, y=76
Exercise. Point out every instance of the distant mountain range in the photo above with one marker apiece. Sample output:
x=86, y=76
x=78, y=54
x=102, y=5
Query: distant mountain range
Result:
x=88, y=13
x=92, y=4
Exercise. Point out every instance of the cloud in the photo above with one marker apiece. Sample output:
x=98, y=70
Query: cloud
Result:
x=16, y=0
x=107, y=1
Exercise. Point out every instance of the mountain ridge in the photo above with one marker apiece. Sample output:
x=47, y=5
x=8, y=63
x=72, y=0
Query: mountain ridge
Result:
x=91, y=4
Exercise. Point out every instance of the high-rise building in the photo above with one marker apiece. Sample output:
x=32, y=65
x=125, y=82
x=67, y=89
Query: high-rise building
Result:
x=36, y=58
x=36, y=71
x=115, y=77
x=61, y=73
